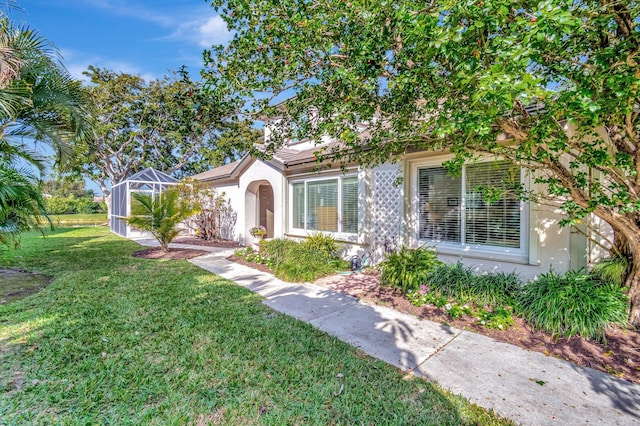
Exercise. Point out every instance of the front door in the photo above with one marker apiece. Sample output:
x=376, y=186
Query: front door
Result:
x=265, y=201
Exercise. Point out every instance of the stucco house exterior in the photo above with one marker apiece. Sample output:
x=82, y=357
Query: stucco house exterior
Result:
x=412, y=202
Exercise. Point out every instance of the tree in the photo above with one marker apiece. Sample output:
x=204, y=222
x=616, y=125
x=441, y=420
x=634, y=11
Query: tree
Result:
x=160, y=214
x=21, y=204
x=215, y=218
x=171, y=124
x=556, y=82
x=39, y=104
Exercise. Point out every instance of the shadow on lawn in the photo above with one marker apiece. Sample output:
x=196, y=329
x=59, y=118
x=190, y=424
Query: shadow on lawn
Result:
x=94, y=331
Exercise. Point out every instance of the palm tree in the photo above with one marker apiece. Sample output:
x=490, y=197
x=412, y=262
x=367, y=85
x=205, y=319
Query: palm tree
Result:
x=21, y=203
x=160, y=214
x=39, y=103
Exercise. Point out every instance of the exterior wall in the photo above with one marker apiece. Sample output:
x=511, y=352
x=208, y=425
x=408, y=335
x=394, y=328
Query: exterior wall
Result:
x=546, y=246
x=388, y=219
x=243, y=199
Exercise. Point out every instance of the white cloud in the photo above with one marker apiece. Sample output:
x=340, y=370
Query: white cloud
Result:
x=78, y=62
x=197, y=25
x=203, y=32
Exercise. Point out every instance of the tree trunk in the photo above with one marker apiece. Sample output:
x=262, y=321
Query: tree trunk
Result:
x=630, y=248
x=107, y=201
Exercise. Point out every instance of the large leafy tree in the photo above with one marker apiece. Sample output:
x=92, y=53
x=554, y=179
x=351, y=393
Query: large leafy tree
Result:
x=171, y=124
x=39, y=104
x=551, y=85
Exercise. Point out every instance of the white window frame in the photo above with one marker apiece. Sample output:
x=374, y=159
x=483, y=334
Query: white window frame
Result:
x=519, y=254
x=339, y=234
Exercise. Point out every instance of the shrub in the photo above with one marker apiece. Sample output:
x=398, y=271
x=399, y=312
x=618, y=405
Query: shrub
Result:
x=276, y=250
x=87, y=206
x=303, y=264
x=322, y=243
x=306, y=261
x=612, y=270
x=572, y=304
x=495, y=289
x=460, y=283
x=59, y=205
x=407, y=269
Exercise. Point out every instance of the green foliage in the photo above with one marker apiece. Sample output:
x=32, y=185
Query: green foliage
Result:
x=612, y=270
x=277, y=249
x=460, y=283
x=301, y=261
x=62, y=205
x=559, y=77
x=160, y=215
x=573, y=304
x=121, y=340
x=171, y=123
x=304, y=264
x=21, y=205
x=322, y=243
x=408, y=268
x=499, y=318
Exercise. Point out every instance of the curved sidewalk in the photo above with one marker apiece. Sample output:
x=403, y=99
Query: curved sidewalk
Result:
x=527, y=387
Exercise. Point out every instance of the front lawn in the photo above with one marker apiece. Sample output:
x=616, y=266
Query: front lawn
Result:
x=78, y=219
x=120, y=340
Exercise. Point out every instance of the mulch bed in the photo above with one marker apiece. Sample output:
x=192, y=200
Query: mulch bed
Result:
x=184, y=253
x=619, y=357
x=195, y=241
x=173, y=254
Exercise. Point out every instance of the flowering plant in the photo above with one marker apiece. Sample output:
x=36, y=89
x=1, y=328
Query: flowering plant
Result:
x=258, y=231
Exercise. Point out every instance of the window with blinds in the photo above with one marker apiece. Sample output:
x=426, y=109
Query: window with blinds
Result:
x=329, y=205
x=479, y=208
x=439, y=205
x=349, y=196
x=492, y=208
x=298, y=213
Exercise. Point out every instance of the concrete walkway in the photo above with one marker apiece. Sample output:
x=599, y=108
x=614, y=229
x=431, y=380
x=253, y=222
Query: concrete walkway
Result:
x=528, y=387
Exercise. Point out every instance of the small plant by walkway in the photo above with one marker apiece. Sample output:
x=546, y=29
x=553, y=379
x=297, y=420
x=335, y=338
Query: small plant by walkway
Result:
x=116, y=339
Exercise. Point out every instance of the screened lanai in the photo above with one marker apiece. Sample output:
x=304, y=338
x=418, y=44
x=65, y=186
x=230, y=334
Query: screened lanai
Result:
x=148, y=181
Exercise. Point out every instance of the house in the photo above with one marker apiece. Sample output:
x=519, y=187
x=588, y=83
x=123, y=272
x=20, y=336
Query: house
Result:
x=412, y=202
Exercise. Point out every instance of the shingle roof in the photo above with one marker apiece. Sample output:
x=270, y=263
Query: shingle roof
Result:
x=218, y=173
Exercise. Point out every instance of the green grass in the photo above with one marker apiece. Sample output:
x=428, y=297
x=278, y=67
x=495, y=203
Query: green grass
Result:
x=120, y=340
x=78, y=219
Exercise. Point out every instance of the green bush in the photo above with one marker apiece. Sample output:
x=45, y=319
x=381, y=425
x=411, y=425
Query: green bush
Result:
x=306, y=261
x=573, y=304
x=322, y=243
x=612, y=270
x=87, y=206
x=59, y=205
x=408, y=268
x=277, y=249
x=460, y=283
x=303, y=264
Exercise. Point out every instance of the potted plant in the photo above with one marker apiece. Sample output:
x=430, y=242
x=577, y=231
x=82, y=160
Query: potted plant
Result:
x=258, y=232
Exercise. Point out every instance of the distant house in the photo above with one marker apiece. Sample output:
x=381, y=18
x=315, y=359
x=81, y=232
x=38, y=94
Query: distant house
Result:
x=412, y=202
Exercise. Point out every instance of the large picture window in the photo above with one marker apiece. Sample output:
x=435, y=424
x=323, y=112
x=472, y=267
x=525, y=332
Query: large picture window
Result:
x=480, y=207
x=328, y=205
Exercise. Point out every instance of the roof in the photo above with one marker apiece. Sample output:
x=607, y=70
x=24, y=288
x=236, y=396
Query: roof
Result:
x=152, y=175
x=218, y=172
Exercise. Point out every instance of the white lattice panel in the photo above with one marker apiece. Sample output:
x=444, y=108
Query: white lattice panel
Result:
x=387, y=206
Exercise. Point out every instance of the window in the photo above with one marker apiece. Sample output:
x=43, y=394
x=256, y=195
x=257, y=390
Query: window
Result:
x=480, y=207
x=329, y=205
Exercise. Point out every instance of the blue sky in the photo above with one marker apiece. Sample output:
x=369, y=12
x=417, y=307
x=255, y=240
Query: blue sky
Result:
x=142, y=37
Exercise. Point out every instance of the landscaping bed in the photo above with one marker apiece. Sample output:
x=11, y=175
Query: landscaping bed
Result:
x=619, y=357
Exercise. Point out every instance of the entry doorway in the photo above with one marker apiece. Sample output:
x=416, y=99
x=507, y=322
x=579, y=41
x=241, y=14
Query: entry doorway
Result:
x=265, y=208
